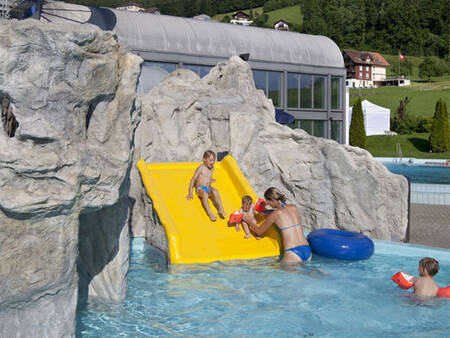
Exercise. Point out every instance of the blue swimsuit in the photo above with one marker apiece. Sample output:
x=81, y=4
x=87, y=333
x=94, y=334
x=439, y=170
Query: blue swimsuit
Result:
x=204, y=188
x=302, y=251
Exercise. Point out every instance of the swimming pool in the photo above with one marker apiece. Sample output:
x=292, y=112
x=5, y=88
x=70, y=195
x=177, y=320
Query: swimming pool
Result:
x=250, y=298
x=421, y=173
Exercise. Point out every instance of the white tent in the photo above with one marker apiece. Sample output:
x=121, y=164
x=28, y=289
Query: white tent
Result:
x=376, y=118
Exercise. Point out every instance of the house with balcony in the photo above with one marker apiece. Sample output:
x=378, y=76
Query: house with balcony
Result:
x=364, y=69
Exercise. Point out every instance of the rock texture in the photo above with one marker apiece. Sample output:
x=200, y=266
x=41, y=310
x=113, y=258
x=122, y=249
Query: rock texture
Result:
x=334, y=185
x=64, y=172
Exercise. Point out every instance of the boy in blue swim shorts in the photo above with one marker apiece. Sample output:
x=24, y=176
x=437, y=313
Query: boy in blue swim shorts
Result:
x=202, y=180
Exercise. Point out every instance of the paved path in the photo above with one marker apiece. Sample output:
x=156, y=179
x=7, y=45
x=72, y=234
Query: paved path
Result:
x=430, y=225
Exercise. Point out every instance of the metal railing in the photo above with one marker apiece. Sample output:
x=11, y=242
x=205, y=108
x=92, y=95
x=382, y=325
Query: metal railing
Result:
x=399, y=157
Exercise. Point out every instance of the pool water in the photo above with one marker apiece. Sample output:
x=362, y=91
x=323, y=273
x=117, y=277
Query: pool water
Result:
x=421, y=173
x=325, y=298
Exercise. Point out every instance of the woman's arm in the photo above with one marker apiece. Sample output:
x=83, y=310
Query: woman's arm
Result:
x=259, y=230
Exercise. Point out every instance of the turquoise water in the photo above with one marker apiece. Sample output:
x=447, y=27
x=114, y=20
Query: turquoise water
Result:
x=325, y=298
x=421, y=173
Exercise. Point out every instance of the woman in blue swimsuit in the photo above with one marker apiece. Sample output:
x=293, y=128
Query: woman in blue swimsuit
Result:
x=287, y=218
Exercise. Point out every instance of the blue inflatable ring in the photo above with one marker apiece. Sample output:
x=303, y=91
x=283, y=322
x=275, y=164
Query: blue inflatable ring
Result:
x=340, y=244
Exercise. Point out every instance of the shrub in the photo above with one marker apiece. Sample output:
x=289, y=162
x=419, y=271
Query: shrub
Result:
x=439, y=135
x=357, y=137
x=424, y=125
x=402, y=123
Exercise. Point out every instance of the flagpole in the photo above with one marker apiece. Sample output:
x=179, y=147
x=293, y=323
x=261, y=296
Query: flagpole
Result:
x=398, y=73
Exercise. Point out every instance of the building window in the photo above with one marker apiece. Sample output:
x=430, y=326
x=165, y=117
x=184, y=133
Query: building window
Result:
x=307, y=125
x=367, y=75
x=306, y=91
x=360, y=68
x=153, y=73
x=367, y=68
x=319, y=92
x=335, y=92
x=292, y=90
x=270, y=83
x=274, y=89
x=336, y=131
x=312, y=127
x=360, y=75
x=169, y=67
x=319, y=128
x=197, y=69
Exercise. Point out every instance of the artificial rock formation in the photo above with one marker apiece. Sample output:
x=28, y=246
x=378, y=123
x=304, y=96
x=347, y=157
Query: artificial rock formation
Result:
x=334, y=185
x=67, y=94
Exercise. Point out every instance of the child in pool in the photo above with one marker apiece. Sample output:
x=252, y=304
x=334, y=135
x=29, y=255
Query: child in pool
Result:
x=424, y=285
x=202, y=180
x=247, y=209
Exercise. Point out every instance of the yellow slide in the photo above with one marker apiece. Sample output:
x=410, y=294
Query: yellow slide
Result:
x=192, y=237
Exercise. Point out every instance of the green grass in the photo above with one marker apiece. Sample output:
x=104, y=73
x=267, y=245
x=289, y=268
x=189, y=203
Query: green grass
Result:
x=292, y=15
x=414, y=145
x=423, y=96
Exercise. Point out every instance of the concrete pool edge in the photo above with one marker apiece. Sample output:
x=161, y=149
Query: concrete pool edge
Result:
x=413, y=160
x=381, y=247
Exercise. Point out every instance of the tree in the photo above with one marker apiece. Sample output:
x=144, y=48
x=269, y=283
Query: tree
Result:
x=401, y=123
x=439, y=136
x=429, y=67
x=357, y=130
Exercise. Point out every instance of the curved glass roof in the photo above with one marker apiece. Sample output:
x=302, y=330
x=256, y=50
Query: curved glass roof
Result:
x=145, y=32
x=162, y=33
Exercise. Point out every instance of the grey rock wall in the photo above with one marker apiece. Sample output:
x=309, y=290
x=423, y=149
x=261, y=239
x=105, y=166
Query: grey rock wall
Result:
x=64, y=172
x=334, y=185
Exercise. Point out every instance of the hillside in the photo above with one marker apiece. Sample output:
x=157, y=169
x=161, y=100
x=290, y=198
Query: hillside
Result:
x=291, y=14
x=423, y=95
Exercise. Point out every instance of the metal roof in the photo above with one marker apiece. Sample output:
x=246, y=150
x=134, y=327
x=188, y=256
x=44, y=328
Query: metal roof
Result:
x=145, y=32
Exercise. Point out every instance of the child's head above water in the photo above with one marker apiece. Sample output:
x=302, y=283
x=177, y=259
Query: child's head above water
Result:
x=246, y=203
x=430, y=265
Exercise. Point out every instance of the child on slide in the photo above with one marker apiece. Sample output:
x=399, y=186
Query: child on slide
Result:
x=202, y=180
x=247, y=209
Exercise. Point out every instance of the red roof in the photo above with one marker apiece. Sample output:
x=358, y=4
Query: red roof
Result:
x=366, y=58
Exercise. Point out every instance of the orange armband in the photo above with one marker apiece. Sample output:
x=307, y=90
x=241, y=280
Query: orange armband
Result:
x=403, y=280
x=444, y=292
x=260, y=205
x=235, y=218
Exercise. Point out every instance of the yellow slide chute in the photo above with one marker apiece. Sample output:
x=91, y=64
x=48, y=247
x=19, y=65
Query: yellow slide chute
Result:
x=192, y=237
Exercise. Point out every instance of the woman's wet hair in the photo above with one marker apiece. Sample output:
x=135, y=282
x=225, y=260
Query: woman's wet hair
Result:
x=429, y=264
x=208, y=153
x=273, y=194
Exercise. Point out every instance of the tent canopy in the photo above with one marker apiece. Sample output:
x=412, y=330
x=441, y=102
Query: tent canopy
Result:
x=376, y=118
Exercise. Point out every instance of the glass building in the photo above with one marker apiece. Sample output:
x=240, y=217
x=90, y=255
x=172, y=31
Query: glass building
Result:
x=302, y=74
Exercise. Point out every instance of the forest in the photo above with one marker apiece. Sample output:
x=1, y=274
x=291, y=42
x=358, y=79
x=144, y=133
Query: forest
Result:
x=414, y=27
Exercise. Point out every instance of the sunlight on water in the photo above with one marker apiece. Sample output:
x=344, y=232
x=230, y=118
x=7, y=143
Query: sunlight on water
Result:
x=326, y=298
